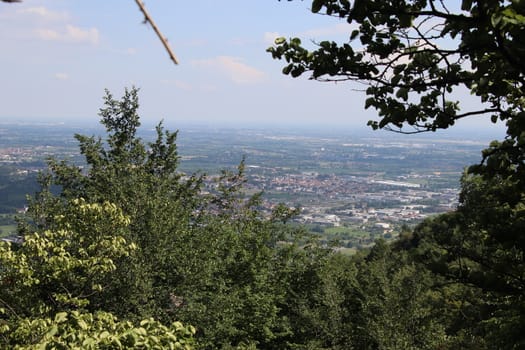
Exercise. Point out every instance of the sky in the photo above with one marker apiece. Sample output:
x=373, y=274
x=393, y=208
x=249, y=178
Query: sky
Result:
x=58, y=57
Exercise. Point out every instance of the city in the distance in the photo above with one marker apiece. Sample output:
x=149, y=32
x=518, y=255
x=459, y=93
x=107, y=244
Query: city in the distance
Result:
x=352, y=187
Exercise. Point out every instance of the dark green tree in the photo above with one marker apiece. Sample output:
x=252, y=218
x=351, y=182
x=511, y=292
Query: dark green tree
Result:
x=142, y=179
x=398, y=307
x=413, y=55
x=207, y=256
x=380, y=299
x=480, y=247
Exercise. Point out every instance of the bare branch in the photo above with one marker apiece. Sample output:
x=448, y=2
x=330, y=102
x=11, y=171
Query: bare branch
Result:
x=156, y=29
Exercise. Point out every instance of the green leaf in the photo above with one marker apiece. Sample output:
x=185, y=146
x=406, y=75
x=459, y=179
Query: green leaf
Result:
x=52, y=331
x=405, y=20
x=280, y=40
x=317, y=5
x=82, y=324
x=496, y=19
x=466, y=5
x=287, y=69
x=89, y=343
x=402, y=93
x=61, y=317
x=369, y=102
x=395, y=79
x=399, y=68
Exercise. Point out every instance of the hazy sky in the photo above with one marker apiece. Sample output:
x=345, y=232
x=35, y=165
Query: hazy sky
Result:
x=58, y=56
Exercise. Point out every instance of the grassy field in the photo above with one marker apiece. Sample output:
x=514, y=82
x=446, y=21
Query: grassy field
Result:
x=345, y=231
x=347, y=251
x=6, y=230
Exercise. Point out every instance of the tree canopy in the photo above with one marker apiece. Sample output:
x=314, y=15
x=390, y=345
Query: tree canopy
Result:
x=415, y=54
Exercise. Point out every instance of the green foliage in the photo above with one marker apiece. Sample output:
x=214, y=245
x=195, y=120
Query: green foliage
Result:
x=76, y=330
x=143, y=181
x=379, y=300
x=183, y=247
x=208, y=258
x=58, y=268
x=414, y=53
x=480, y=246
x=49, y=280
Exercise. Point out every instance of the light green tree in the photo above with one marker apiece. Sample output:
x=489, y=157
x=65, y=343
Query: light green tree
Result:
x=48, y=281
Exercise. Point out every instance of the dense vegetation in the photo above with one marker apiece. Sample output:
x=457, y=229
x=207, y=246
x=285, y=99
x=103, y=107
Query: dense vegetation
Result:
x=133, y=253
x=12, y=190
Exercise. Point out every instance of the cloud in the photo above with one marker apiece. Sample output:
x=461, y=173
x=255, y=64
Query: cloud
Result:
x=47, y=34
x=77, y=34
x=45, y=14
x=46, y=24
x=70, y=34
x=62, y=76
x=234, y=68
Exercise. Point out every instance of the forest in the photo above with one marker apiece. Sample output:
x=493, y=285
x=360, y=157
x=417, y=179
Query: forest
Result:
x=129, y=252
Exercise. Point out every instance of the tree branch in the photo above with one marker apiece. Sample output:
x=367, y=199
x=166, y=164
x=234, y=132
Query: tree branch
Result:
x=156, y=29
